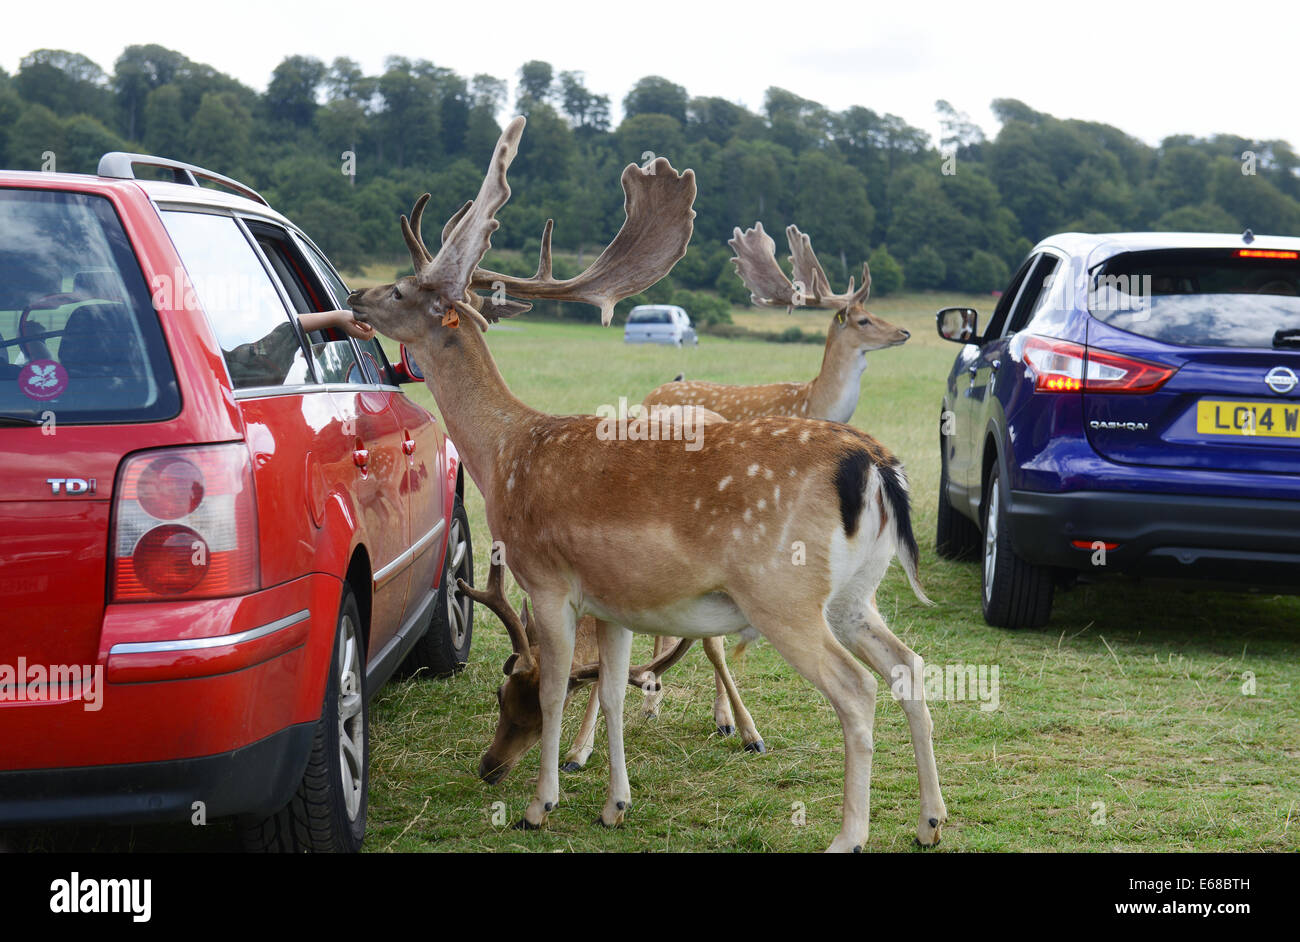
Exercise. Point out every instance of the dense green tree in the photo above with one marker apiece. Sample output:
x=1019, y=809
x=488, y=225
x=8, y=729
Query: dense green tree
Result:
x=536, y=85
x=926, y=270
x=137, y=72
x=886, y=273
x=164, y=121
x=656, y=95
x=984, y=272
x=291, y=93
x=65, y=82
x=659, y=134
x=218, y=135
x=85, y=141
x=36, y=133
x=11, y=106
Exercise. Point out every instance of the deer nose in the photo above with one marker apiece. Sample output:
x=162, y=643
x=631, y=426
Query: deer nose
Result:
x=905, y=333
x=355, y=296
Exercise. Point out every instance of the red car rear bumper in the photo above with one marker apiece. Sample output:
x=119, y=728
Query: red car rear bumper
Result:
x=211, y=701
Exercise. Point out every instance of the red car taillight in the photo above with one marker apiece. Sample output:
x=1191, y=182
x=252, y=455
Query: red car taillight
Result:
x=185, y=525
x=1061, y=366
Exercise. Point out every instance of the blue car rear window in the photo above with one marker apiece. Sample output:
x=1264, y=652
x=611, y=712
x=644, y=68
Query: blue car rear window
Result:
x=1202, y=297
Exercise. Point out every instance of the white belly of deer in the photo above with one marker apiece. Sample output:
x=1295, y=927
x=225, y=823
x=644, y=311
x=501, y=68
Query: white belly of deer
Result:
x=705, y=616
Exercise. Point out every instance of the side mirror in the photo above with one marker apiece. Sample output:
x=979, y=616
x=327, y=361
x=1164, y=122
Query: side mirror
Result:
x=408, y=371
x=958, y=324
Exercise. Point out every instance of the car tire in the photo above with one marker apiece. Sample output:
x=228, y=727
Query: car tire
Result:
x=955, y=535
x=327, y=813
x=443, y=650
x=1013, y=593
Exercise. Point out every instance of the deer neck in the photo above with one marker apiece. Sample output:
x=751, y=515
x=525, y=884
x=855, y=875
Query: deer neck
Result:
x=833, y=393
x=482, y=416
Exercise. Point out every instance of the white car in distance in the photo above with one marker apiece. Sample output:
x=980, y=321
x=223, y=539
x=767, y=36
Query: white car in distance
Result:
x=660, y=323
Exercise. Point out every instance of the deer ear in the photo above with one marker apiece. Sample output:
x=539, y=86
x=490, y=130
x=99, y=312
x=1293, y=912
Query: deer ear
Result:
x=508, y=667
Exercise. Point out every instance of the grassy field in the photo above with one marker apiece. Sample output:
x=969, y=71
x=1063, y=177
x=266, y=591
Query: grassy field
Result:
x=1124, y=725
x=1121, y=726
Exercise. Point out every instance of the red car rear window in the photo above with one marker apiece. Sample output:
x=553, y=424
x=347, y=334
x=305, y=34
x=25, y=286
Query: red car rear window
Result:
x=79, y=338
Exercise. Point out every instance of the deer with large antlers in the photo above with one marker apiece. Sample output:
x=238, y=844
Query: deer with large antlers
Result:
x=782, y=525
x=833, y=393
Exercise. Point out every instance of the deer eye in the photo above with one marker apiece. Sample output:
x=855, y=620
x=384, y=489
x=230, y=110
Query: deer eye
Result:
x=397, y=293
x=862, y=322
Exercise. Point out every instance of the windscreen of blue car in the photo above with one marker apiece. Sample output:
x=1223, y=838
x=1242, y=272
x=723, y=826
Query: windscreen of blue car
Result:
x=1202, y=297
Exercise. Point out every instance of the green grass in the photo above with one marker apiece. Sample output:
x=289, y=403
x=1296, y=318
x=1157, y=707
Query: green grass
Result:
x=1132, y=697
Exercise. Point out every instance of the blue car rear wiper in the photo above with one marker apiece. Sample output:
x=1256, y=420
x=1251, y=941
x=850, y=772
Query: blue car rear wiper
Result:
x=17, y=420
x=1287, y=338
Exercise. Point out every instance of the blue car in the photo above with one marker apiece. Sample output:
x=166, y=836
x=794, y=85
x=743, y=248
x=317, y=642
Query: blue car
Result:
x=1131, y=406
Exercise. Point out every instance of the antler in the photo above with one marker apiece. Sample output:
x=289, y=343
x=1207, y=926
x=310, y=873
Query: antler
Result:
x=756, y=265
x=517, y=624
x=468, y=234
x=658, y=204
x=495, y=599
x=636, y=674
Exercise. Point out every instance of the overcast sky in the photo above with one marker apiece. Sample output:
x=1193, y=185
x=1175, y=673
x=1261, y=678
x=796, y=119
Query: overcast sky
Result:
x=1150, y=69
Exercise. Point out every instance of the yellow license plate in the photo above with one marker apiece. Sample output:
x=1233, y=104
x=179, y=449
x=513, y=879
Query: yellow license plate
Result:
x=1262, y=419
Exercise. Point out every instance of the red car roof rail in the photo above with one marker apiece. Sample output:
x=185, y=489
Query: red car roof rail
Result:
x=121, y=165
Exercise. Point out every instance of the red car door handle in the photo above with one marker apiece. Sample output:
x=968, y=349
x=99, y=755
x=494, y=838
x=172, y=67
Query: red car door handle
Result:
x=408, y=446
x=361, y=457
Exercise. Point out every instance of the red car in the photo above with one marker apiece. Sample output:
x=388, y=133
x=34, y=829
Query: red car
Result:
x=222, y=525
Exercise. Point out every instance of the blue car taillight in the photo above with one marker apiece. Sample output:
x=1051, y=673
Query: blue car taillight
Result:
x=1061, y=366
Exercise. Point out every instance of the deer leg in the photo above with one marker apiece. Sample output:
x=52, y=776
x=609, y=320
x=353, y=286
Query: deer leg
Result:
x=555, y=627
x=585, y=741
x=728, y=699
x=805, y=640
x=863, y=631
x=615, y=657
x=652, y=698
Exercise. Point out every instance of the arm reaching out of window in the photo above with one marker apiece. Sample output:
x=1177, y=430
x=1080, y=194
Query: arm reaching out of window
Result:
x=342, y=320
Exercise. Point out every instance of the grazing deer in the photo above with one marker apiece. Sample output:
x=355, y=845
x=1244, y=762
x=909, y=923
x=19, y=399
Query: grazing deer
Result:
x=833, y=393
x=519, y=724
x=783, y=525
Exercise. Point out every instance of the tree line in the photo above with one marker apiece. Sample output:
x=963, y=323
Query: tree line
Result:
x=344, y=153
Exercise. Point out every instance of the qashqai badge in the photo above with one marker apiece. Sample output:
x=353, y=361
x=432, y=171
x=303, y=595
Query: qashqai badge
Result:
x=1281, y=380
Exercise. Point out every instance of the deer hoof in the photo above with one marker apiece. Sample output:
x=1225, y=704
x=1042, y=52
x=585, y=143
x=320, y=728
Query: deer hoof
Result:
x=756, y=746
x=929, y=837
x=726, y=730
x=523, y=824
x=857, y=848
x=571, y=767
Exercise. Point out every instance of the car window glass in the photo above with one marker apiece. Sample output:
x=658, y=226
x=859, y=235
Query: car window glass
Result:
x=1037, y=289
x=331, y=351
x=79, y=336
x=1202, y=297
x=994, y=328
x=253, y=329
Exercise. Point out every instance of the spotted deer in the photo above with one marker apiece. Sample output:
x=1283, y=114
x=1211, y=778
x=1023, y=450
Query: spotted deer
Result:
x=833, y=393
x=778, y=524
